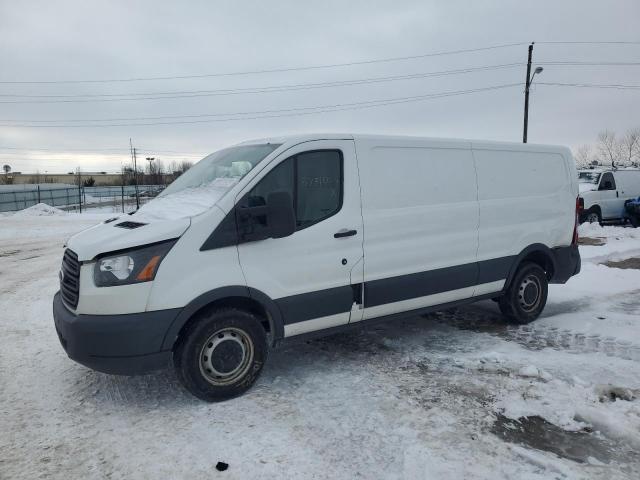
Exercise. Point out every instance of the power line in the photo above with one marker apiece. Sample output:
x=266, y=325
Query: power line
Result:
x=272, y=70
x=589, y=43
x=143, y=96
x=248, y=90
x=109, y=151
x=591, y=85
x=234, y=116
x=91, y=150
x=600, y=63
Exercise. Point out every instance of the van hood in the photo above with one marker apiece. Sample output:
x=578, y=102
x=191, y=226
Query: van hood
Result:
x=587, y=187
x=123, y=232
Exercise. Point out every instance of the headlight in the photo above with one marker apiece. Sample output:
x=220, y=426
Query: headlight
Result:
x=130, y=266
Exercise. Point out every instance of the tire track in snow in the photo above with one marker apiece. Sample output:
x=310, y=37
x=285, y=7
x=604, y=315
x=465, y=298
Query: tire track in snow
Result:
x=539, y=336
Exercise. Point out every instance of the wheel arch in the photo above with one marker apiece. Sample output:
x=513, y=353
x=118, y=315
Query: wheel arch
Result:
x=594, y=208
x=237, y=296
x=537, y=253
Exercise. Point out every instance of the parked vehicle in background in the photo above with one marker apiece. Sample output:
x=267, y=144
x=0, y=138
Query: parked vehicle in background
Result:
x=282, y=238
x=603, y=193
x=632, y=208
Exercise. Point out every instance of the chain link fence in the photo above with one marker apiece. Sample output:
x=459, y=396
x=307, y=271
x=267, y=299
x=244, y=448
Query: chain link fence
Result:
x=69, y=197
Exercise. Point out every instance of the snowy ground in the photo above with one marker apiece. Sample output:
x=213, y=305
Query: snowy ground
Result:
x=426, y=397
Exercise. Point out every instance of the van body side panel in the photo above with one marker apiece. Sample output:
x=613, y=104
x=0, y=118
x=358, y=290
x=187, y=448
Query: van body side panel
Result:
x=420, y=211
x=526, y=197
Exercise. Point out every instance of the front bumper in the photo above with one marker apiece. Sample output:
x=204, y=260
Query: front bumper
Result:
x=128, y=344
x=566, y=263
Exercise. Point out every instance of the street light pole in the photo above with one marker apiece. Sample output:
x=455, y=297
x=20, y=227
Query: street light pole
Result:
x=151, y=174
x=528, y=82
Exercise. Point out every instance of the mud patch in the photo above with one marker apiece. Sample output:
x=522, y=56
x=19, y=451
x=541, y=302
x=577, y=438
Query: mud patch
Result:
x=627, y=263
x=536, y=432
x=592, y=242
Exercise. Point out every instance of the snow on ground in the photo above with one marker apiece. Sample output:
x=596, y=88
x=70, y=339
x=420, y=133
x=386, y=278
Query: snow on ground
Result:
x=443, y=396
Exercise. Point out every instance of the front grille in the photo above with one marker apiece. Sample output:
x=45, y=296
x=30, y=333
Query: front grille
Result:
x=70, y=278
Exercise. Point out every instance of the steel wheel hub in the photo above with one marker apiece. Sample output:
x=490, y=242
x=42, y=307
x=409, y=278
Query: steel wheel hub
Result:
x=226, y=356
x=529, y=293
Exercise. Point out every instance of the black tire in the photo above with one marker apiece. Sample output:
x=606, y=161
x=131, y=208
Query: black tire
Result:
x=526, y=296
x=239, y=338
x=593, y=215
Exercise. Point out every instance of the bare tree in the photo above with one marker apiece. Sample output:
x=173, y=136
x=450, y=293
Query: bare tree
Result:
x=584, y=155
x=6, y=180
x=609, y=147
x=630, y=146
x=185, y=165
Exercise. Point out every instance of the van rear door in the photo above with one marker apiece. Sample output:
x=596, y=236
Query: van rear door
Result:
x=310, y=273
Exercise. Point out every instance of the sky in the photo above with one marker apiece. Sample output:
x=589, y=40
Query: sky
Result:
x=77, y=45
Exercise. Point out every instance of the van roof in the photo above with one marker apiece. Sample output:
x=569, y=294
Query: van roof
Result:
x=358, y=136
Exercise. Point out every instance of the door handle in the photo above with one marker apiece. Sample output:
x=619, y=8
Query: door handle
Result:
x=617, y=194
x=345, y=233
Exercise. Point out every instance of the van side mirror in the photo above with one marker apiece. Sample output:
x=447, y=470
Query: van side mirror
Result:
x=281, y=218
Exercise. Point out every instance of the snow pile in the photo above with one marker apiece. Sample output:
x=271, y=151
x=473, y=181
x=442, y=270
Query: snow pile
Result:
x=185, y=203
x=620, y=242
x=595, y=230
x=40, y=210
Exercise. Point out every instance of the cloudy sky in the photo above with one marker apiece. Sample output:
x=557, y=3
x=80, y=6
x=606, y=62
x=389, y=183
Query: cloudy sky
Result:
x=95, y=45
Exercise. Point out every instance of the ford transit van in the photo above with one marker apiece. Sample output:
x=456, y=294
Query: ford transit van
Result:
x=284, y=238
x=603, y=193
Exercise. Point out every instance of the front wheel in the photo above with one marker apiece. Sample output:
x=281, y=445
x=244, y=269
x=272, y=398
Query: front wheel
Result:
x=526, y=296
x=221, y=354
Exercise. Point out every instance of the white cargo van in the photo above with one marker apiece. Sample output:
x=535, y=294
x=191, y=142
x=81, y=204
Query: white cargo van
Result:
x=284, y=238
x=603, y=193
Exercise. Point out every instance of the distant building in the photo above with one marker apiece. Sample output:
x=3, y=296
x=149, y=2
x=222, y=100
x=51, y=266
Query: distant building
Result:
x=101, y=178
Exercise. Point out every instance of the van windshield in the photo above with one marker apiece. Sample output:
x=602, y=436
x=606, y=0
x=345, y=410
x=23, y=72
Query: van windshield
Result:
x=589, y=177
x=200, y=187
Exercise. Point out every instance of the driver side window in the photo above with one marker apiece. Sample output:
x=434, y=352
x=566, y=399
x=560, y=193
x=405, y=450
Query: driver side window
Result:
x=314, y=181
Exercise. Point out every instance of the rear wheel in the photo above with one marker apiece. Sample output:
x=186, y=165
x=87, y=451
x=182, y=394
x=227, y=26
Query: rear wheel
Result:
x=593, y=216
x=526, y=296
x=221, y=354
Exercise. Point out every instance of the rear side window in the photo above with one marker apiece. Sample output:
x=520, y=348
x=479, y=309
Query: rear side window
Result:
x=313, y=179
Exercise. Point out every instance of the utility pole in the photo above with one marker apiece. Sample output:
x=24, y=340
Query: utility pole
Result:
x=135, y=173
x=122, y=186
x=528, y=82
x=80, y=190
